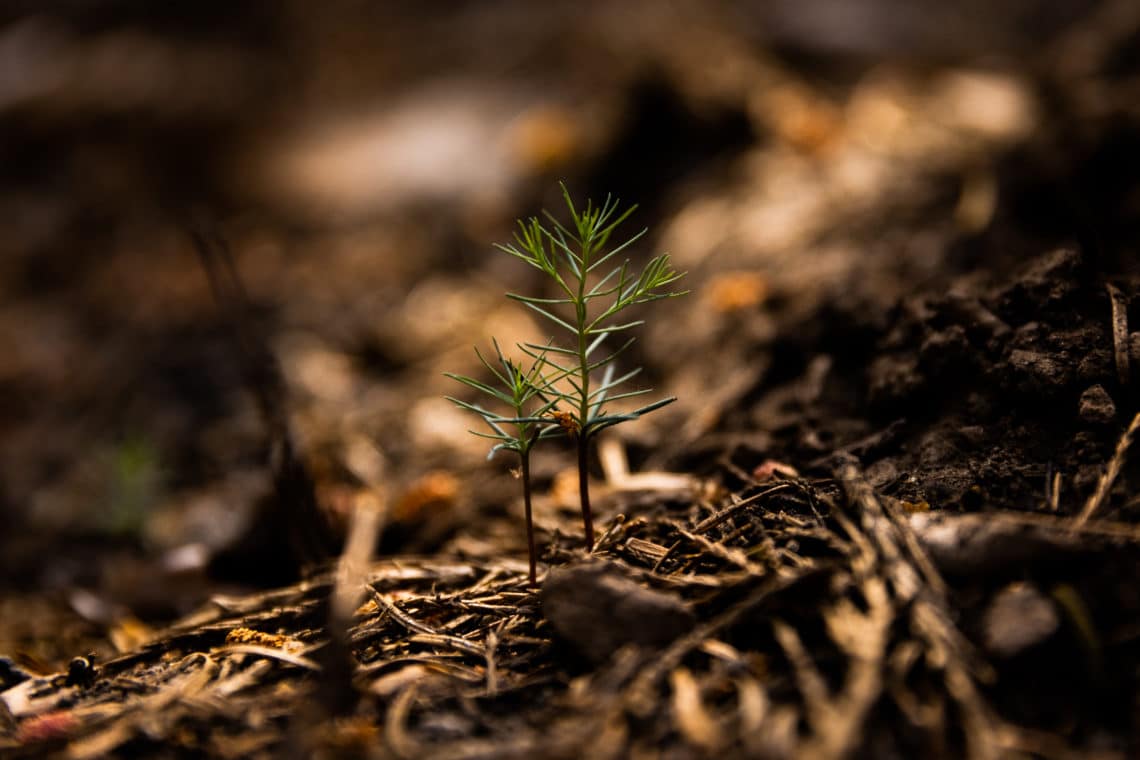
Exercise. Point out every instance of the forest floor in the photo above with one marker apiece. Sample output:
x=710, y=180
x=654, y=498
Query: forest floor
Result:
x=892, y=512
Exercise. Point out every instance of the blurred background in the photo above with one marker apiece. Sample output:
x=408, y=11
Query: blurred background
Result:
x=805, y=162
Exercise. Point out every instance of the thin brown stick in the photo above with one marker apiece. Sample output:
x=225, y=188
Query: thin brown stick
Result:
x=1104, y=485
x=713, y=520
x=401, y=617
x=1119, y=333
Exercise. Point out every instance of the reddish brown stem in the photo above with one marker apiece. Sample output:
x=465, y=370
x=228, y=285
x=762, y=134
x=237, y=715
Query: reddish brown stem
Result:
x=525, y=466
x=584, y=489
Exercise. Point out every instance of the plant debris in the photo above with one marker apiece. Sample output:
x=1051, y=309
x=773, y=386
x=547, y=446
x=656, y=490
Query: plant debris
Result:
x=799, y=604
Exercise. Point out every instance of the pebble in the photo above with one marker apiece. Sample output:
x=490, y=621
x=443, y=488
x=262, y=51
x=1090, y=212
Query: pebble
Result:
x=1019, y=617
x=1096, y=406
x=1038, y=374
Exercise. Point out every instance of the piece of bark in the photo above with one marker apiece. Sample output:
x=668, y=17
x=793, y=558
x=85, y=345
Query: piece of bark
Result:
x=983, y=543
x=598, y=608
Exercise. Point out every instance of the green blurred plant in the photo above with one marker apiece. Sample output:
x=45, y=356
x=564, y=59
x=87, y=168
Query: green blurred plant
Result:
x=134, y=485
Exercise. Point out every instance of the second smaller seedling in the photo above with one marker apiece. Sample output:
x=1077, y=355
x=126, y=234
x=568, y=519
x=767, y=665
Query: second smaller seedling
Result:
x=520, y=392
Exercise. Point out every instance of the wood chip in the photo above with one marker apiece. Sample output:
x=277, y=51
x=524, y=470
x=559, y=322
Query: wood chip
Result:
x=693, y=720
x=1119, y=333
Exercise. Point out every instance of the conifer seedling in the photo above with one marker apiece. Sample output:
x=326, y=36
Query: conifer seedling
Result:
x=588, y=309
x=561, y=392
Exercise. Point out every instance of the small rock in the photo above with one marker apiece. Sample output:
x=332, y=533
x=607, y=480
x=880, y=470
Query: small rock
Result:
x=973, y=314
x=945, y=350
x=1019, y=617
x=1059, y=265
x=770, y=469
x=1096, y=406
x=892, y=380
x=1045, y=283
x=970, y=436
x=882, y=473
x=1038, y=374
x=598, y=608
x=1097, y=365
